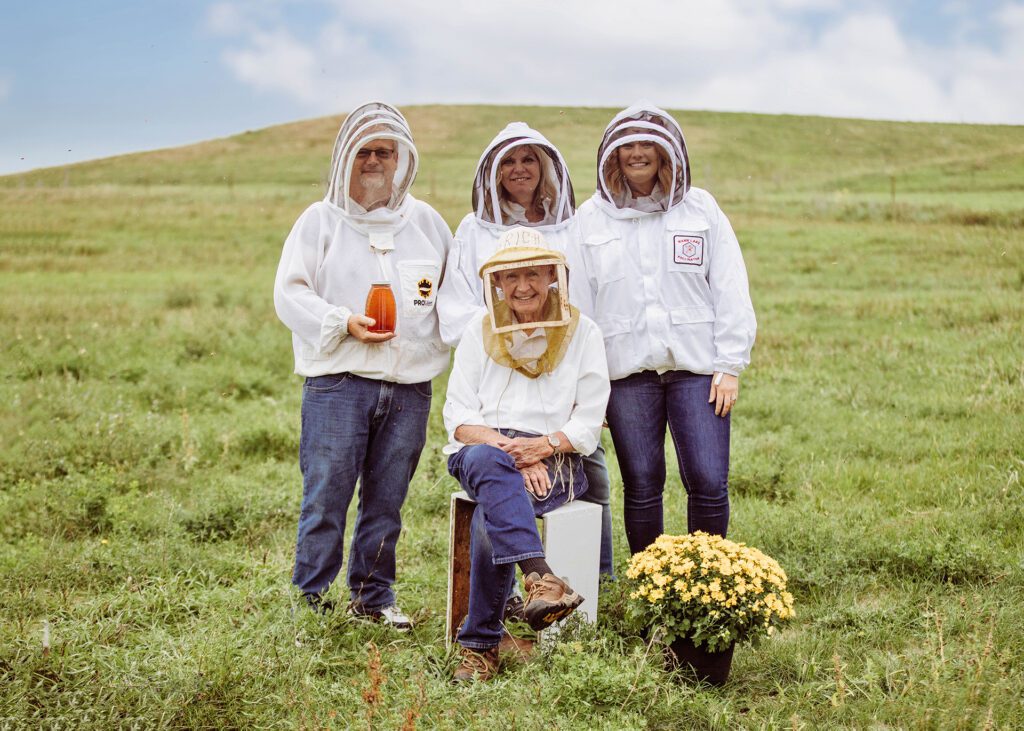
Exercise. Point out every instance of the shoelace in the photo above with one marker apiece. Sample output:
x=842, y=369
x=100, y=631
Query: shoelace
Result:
x=476, y=662
x=541, y=586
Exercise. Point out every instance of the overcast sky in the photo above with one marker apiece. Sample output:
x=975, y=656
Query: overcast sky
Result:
x=80, y=80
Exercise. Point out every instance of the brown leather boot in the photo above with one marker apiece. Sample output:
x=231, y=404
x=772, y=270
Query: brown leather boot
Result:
x=517, y=648
x=548, y=599
x=476, y=665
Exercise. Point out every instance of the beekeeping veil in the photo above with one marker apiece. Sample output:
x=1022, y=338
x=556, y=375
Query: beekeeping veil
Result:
x=555, y=193
x=642, y=122
x=502, y=332
x=365, y=124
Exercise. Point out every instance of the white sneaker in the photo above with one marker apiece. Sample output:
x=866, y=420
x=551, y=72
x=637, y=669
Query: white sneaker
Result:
x=392, y=615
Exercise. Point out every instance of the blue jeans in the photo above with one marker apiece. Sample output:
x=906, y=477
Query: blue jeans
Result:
x=639, y=408
x=599, y=492
x=503, y=531
x=361, y=429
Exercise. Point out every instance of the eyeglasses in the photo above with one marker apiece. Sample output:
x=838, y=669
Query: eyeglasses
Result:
x=383, y=154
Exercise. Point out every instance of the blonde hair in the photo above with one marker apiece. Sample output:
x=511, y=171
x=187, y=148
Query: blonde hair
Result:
x=545, y=190
x=616, y=179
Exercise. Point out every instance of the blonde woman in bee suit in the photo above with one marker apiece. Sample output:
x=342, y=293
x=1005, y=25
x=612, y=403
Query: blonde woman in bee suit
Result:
x=366, y=395
x=526, y=398
x=523, y=178
x=668, y=288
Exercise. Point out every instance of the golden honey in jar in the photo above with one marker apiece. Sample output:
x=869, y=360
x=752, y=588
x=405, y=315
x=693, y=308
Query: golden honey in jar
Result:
x=380, y=305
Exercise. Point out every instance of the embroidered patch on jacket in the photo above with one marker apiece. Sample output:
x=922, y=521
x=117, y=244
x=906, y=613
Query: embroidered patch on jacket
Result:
x=688, y=249
x=425, y=287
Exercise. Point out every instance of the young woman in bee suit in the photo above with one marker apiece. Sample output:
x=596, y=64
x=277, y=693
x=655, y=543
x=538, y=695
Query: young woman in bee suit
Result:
x=366, y=395
x=521, y=180
x=668, y=288
x=526, y=399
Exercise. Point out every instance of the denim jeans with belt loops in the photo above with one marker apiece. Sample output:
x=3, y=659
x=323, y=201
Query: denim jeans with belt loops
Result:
x=503, y=529
x=356, y=428
x=639, y=408
x=599, y=492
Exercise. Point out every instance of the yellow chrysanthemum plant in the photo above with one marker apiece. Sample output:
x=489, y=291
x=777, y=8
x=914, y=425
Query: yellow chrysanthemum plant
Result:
x=708, y=589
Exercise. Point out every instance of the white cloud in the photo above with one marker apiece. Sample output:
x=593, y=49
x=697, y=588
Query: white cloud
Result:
x=278, y=62
x=225, y=18
x=855, y=60
x=861, y=67
x=817, y=5
x=1010, y=18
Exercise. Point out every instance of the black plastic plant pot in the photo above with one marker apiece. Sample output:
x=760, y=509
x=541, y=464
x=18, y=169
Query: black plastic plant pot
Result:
x=708, y=667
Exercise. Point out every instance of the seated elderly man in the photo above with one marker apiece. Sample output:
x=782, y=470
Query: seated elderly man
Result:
x=526, y=400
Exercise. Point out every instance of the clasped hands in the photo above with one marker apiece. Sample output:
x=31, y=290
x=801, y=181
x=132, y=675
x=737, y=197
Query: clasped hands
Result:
x=529, y=453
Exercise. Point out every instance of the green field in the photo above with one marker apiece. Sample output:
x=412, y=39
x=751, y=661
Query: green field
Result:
x=149, y=485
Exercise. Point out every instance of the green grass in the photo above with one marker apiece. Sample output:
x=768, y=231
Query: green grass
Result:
x=149, y=485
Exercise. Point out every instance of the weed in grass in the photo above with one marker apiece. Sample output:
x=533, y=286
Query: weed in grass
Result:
x=182, y=298
x=219, y=525
x=268, y=444
x=375, y=678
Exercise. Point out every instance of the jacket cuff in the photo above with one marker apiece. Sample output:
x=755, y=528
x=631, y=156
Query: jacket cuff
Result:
x=581, y=439
x=333, y=329
x=731, y=368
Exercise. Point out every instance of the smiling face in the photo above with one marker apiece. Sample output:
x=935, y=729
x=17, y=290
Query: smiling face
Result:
x=373, y=173
x=519, y=174
x=526, y=290
x=640, y=163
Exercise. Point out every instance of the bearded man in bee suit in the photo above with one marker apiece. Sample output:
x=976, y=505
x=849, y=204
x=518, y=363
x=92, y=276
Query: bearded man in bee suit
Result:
x=366, y=395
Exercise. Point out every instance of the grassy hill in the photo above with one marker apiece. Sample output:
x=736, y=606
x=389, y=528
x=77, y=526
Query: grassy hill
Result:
x=149, y=485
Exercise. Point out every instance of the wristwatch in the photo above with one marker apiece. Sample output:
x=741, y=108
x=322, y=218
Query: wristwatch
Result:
x=555, y=442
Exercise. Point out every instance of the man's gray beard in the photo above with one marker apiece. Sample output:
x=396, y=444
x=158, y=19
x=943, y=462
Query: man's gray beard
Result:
x=374, y=189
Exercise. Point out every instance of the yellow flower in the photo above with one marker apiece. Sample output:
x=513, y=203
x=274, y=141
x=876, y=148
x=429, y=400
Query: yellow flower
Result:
x=703, y=576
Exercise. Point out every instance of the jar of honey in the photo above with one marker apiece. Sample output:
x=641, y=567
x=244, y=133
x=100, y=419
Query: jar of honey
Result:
x=380, y=305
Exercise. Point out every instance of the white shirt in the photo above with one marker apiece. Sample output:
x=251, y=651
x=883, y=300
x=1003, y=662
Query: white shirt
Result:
x=570, y=399
x=518, y=215
x=528, y=347
x=462, y=294
x=326, y=269
x=668, y=290
x=655, y=202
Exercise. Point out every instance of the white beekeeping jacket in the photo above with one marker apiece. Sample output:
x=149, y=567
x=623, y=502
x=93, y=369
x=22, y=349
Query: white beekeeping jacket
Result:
x=477, y=237
x=665, y=278
x=337, y=249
